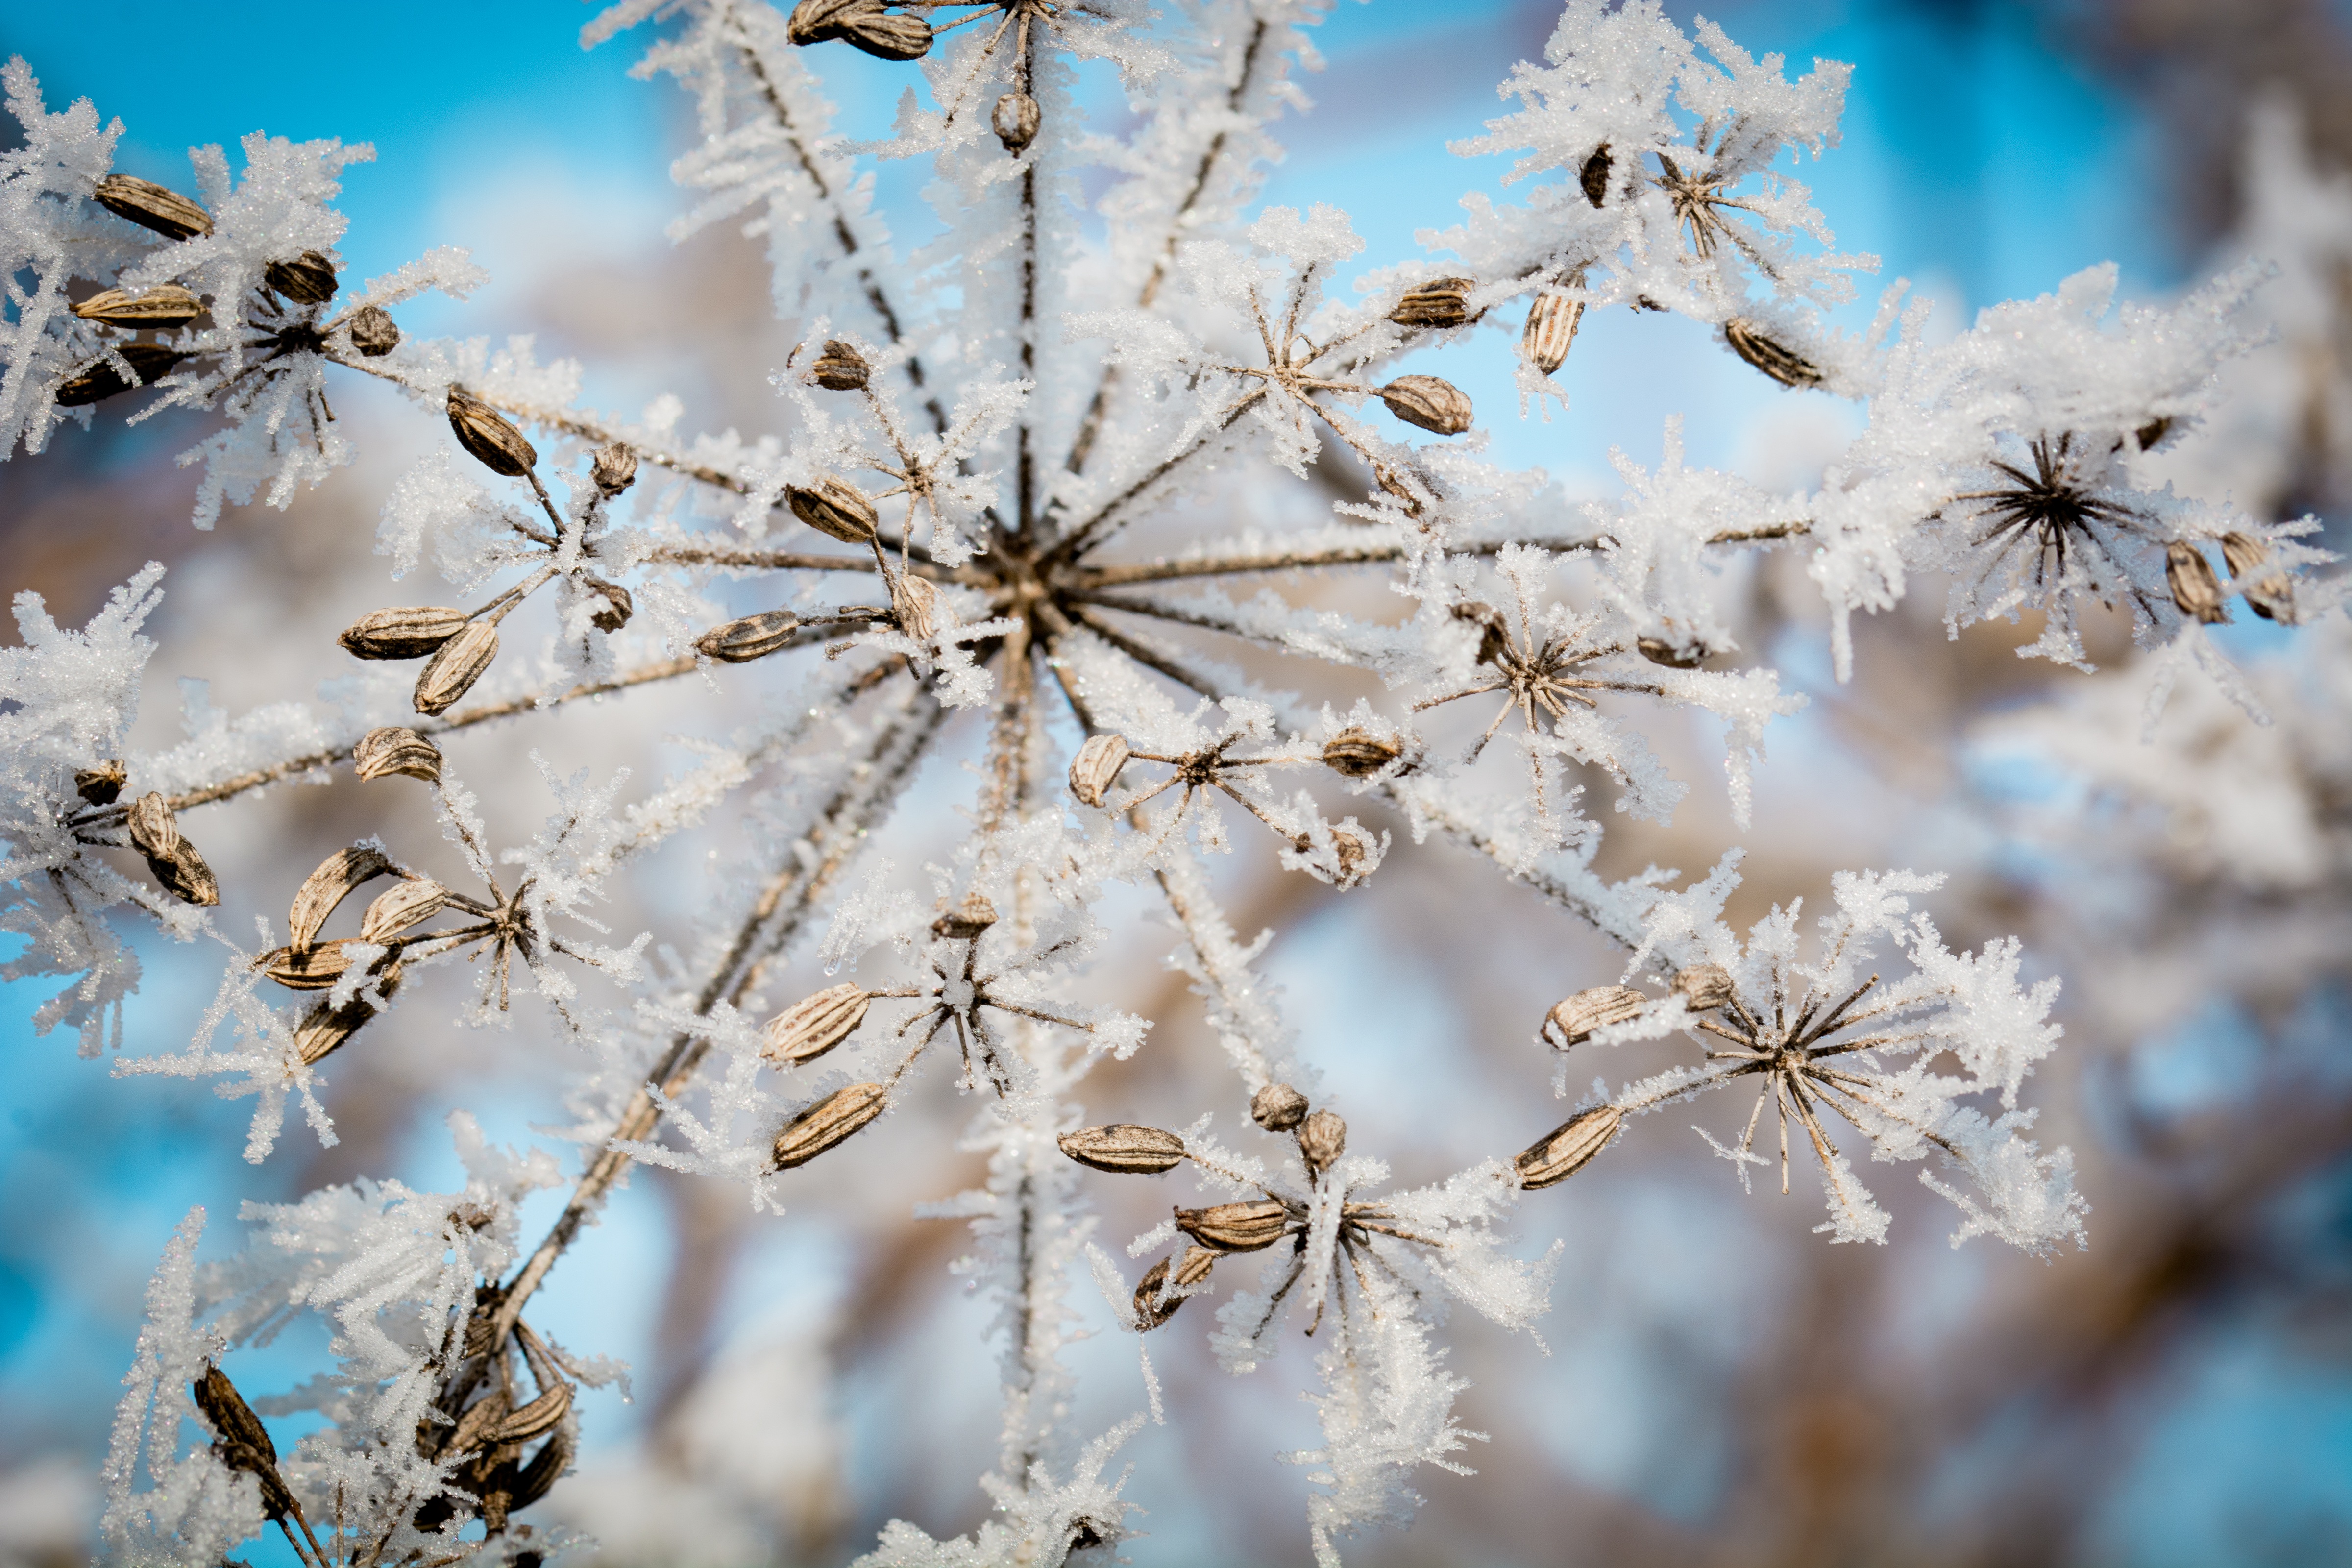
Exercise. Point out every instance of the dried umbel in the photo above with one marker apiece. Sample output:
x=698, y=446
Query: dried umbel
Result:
x=1358, y=752
x=1236, y=1228
x=150, y=205
x=1430, y=402
x=337, y=876
x=1550, y=331
x=308, y=279
x=393, y=750
x=1440, y=302
x=1016, y=120
x=2195, y=589
x=841, y=368
x=815, y=1025
x=1595, y=176
x=972, y=915
x=1704, y=986
x=614, y=469
x=374, y=332
x=1277, y=1108
x=155, y=834
x=2271, y=595
x=406, y=631
x=1125, y=1148
x=1775, y=359
x=1568, y=1147
x=1674, y=656
x=457, y=667
x=1575, y=1019
x=1322, y=1139
x=1095, y=767
x=489, y=436
x=752, y=637
x=102, y=381
x=834, y=507
x=164, y=305
x=837, y=1117
x=101, y=785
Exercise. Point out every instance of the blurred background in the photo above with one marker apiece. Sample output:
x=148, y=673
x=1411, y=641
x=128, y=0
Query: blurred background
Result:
x=1722, y=1386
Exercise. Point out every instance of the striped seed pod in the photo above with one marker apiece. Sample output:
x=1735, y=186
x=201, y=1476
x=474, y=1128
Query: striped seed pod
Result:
x=1095, y=767
x=489, y=436
x=613, y=470
x=1595, y=176
x=2195, y=589
x=171, y=859
x=915, y=601
x=1277, y=1108
x=325, y=1028
x=1674, y=656
x=148, y=361
x=164, y=305
x=841, y=368
x=415, y=900
x=393, y=750
x=1550, y=331
x=1704, y=986
x=1775, y=359
x=839, y=1116
x=834, y=507
x=313, y=968
x=1575, y=1018
x=1322, y=1139
x=150, y=205
x=409, y=631
x=753, y=636
x=457, y=667
x=1432, y=404
x=815, y=1025
x=1568, y=1147
x=374, y=332
x=1124, y=1147
x=972, y=915
x=328, y=886
x=2271, y=596
x=1358, y=752
x=101, y=785
x=308, y=279
x=1440, y=302
x=1236, y=1228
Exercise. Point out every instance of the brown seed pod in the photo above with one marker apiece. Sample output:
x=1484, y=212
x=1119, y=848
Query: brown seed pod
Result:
x=1550, y=331
x=1322, y=1139
x=1568, y=1147
x=815, y=1025
x=614, y=469
x=1432, y=404
x=1195, y=1268
x=161, y=306
x=1576, y=1018
x=325, y=1028
x=1674, y=656
x=1358, y=752
x=838, y=1116
x=374, y=332
x=489, y=436
x=618, y=606
x=1440, y=302
x=834, y=507
x=393, y=750
x=101, y=785
x=1095, y=767
x=2154, y=431
x=171, y=859
x=1015, y=122
x=1277, y=1108
x=1124, y=1147
x=964, y=922
x=1594, y=175
x=841, y=368
x=232, y=1418
x=886, y=36
x=1704, y=986
x=148, y=361
x=308, y=279
x=753, y=636
x=409, y=631
x=539, y=1415
x=1493, y=631
x=1151, y=1311
x=915, y=601
x=150, y=205
x=1352, y=854
x=1236, y=1228
x=413, y=902
x=315, y=968
x=2195, y=589
x=154, y=831
x=816, y=21
x=1776, y=359
x=2273, y=595
x=328, y=886
x=457, y=667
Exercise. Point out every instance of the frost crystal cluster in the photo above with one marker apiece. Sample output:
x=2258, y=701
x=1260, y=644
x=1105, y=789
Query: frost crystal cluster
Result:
x=1052, y=491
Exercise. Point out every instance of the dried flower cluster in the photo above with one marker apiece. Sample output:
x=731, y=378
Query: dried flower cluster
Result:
x=1010, y=476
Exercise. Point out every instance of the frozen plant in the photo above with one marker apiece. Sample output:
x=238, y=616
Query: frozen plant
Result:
x=1005, y=444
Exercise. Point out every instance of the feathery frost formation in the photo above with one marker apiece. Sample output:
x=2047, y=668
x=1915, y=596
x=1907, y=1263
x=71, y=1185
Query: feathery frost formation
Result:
x=984, y=498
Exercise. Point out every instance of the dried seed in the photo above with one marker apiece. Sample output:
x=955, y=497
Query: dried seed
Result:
x=2154, y=431
x=1125, y=1148
x=374, y=332
x=148, y=361
x=325, y=1028
x=184, y=875
x=1322, y=1139
x=1015, y=122
x=1358, y=752
x=1552, y=326
x=1352, y=854
x=618, y=606
x=393, y=750
x=150, y=205
x=305, y=968
x=974, y=915
x=473, y=1429
x=457, y=667
x=1704, y=986
x=915, y=601
x=1236, y=1228
x=1427, y=401
x=886, y=36
x=162, y=305
x=1095, y=767
x=2273, y=596
x=539, y=1415
x=835, y=507
x=328, y=886
x=1277, y=1108
x=546, y=1467
x=308, y=279
x=1494, y=632
x=840, y=368
x=407, y=632
x=2195, y=589
x=1151, y=1311
x=815, y=1024
x=154, y=831
x=1594, y=175
x=232, y=1418
x=1776, y=359
x=489, y=436
x=753, y=636
x=816, y=21
x=838, y=1116
x=1674, y=656
x=613, y=470
x=1194, y=1270
x=415, y=900
x=1568, y=1147
x=101, y=785
x=1576, y=1018
x=1440, y=302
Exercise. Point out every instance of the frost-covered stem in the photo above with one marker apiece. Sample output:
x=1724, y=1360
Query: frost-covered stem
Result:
x=1091, y=532
x=1090, y=427
x=1182, y=615
x=1024, y=473
x=1576, y=903
x=1303, y=560
x=1095, y=622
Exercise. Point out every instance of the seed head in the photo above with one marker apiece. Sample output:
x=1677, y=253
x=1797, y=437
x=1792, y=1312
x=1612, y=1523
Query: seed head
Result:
x=1576, y=1018
x=2195, y=589
x=308, y=279
x=1236, y=1228
x=1277, y=1108
x=753, y=636
x=148, y=361
x=614, y=469
x=1440, y=302
x=1015, y=122
x=409, y=631
x=841, y=368
x=161, y=306
x=101, y=785
x=1322, y=1139
x=489, y=436
x=837, y=1117
x=1775, y=359
x=1095, y=767
x=834, y=507
x=150, y=205
x=1704, y=986
x=374, y=332
x=1125, y=1148
x=815, y=1025
x=1550, y=331
x=459, y=664
x=1358, y=752
x=1425, y=400
x=1568, y=1147
x=393, y=750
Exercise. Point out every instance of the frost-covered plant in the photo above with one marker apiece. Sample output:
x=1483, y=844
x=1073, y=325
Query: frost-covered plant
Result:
x=1059, y=454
